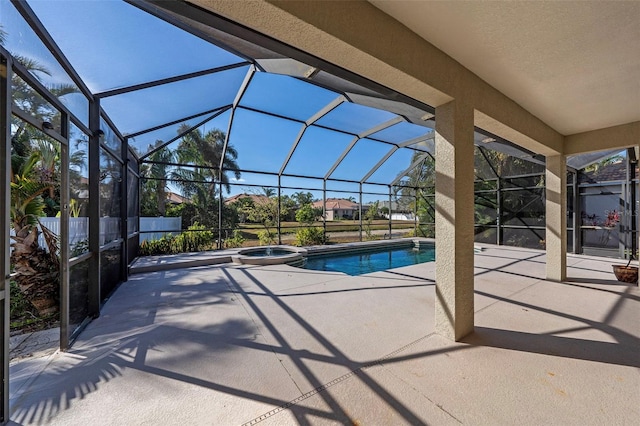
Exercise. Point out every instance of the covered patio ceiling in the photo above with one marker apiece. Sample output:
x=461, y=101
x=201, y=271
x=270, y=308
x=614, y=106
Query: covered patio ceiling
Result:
x=553, y=77
x=575, y=65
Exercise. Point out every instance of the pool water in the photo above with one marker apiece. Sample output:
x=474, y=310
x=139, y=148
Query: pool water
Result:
x=371, y=261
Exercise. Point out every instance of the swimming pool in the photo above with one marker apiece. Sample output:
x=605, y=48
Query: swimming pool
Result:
x=371, y=260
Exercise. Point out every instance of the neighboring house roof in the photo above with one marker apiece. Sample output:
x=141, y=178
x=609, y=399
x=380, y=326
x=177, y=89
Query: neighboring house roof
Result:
x=257, y=199
x=337, y=203
x=174, y=198
x=611, y=172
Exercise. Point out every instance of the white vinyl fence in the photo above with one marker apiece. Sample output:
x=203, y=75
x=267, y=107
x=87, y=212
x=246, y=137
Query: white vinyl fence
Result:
x=154, y=228
x=79, y=229
x=151, y=228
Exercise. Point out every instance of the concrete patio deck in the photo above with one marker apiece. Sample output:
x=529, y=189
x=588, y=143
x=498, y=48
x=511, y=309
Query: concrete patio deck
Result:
x=275, y=345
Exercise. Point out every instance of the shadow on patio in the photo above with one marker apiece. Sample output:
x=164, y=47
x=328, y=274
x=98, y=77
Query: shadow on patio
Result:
x=278, y=345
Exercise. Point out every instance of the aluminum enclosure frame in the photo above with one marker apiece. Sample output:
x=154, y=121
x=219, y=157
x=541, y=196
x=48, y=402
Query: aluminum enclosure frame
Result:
x=166, y=10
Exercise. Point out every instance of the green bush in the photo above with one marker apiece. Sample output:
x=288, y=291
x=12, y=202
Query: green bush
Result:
x=266, y=237
x=307, y=214
x=18, y=304
x=196, y=238
x=155, y=247
x=79, y=248
x=310, y=236
x=236, y=241
x=24, y=316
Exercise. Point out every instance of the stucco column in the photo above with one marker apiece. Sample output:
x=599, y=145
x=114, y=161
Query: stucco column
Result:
x=454, y=220
x=556, y=216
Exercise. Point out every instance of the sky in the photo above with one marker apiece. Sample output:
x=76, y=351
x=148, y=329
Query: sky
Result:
x=112, y=44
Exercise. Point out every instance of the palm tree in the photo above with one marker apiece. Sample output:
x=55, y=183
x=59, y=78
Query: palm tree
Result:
x=420, y=178
x=30, y=101
x=197, y=176
x=499, y=164
x=37, y=271
x=268, y=192
x=302, y=198
x=416, y=187
x=78, y=180
x=424, y=173
x=159, y=170
x=206, y=150
x=26, y=138
x=34, y=183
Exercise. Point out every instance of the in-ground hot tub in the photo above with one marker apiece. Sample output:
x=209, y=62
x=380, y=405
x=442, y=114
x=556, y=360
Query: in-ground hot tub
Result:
x=270, y=255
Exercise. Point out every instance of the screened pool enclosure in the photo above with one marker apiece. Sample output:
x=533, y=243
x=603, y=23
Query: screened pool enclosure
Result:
x=142, y=125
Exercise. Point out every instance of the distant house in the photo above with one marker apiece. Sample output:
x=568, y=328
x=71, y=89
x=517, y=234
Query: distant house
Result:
x=175, y=199
x=256, y=198
x=338, y=208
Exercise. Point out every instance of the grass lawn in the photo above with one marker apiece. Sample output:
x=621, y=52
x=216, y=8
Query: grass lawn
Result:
x=250, y=230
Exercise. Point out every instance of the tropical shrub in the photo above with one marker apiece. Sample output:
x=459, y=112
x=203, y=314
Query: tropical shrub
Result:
x=369, y=217
x=155, y=247
x=18, y=304
x=79, y=248
x=310, y=236
x=196, y=238
x=307, y=214
x=235, y=241
x=266, y=237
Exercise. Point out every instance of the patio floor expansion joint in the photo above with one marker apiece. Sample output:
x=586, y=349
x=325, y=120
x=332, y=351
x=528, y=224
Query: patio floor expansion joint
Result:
x=322, y=388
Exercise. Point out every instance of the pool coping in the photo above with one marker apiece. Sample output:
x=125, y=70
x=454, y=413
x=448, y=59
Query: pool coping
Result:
x=366, y=245
x=296, y=254
x=190, y=260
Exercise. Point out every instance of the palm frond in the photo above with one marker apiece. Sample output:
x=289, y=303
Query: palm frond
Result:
x=60, y=90
x=32, y=65
x=24, y=191
x=52, y=241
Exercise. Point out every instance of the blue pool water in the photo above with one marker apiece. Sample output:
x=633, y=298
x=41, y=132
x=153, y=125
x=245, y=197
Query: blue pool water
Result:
x=364, y=262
